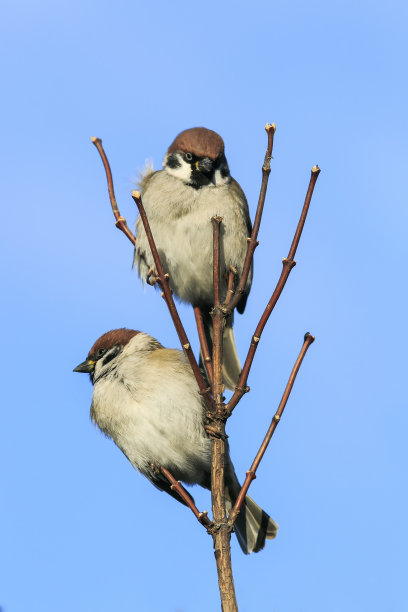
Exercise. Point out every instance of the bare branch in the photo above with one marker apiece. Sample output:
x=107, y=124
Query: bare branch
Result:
x=177, y=486
x=288, y=264
x=163, y=280
x=252, y=241
x=217, y=315
x=221, y=531
x=120, y=221
x=203, y=343
x=251, y=474
x=232, y=273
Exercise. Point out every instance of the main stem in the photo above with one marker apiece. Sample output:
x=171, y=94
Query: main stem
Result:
x=221, y=531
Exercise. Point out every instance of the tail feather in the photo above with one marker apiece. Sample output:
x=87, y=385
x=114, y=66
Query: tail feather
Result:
x=231, y=367
x=253, y=525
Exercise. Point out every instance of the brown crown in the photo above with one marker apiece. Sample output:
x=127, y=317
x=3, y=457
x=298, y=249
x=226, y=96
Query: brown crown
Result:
x=200, y=142
x=115, y=336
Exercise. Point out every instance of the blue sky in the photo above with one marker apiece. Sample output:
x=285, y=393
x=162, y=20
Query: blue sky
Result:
x=81, y=530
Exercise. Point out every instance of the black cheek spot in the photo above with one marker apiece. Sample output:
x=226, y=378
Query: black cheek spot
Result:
x=221, y=164
x=173, y=161
x=111, y=355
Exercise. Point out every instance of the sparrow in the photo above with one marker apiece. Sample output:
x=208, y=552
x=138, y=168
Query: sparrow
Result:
x=145, y=399
x=195, y=185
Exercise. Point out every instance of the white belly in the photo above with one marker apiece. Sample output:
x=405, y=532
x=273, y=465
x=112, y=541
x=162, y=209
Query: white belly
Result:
x=180, y=220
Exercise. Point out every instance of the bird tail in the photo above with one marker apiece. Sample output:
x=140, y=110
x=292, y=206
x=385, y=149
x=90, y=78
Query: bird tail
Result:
x=253, y=525
x=231, y=367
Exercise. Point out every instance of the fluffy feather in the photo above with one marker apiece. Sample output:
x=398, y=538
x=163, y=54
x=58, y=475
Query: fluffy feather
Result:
x=180, y=201
x=146, y=400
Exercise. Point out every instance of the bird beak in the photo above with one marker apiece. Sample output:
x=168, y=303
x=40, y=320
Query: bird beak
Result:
x=205, y=165
x=87, y=367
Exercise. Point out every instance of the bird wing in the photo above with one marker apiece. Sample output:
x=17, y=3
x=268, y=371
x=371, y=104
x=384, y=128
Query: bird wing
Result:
x=240, y=195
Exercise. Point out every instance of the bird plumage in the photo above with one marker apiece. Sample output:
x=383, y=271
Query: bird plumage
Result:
x=146, y=400
x=180, y=200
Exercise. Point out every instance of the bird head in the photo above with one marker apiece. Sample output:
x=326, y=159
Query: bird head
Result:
x=102, y=357
x=197, y=158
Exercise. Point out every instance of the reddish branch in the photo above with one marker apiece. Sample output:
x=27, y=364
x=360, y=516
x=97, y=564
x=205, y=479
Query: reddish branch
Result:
x=120, y=221
x=232, y=273
x=288, y=263
x=252, y=241
x=251, y=474
x=205, y=351
x=221, y=531
x=217, y=316
x=178, y=487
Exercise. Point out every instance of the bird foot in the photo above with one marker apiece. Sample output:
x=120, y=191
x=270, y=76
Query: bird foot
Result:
x=214, y=433
x=151, y=277
x=155, y=469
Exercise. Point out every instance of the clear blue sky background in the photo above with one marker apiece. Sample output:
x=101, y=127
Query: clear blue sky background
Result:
x=80, y=529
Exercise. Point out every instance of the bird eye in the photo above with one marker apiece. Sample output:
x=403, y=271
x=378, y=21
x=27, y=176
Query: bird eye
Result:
x=100, y=352
x=188, y=156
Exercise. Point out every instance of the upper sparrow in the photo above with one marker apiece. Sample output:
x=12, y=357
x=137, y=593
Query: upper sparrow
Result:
x=195, y=185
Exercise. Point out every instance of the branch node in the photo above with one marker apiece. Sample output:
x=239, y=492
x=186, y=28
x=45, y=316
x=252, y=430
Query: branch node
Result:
x=291, y=263
x=213, y=432
x=242, y=389
x=204, y=391
x=203, y=518
x=256, y=339
x=186, y=346
x=316, y=170
x=270, y=127
x=276, y=417
x=256, y=242
x=251, y=474
x=175, y=485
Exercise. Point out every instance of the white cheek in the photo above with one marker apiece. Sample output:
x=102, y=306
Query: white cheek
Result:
x=220, y=180
x=183, y=172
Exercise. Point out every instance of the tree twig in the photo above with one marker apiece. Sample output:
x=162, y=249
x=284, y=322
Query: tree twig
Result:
x=222, y=531
x=217, y=315
x=178, y=487
x=251, y=474
x=205, y=351
x=252, y=241
x=232, y=273
x=288, y=263
x=120, y=221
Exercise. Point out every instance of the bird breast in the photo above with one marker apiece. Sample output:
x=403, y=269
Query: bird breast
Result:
x=180, y=220
x=154, y=413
